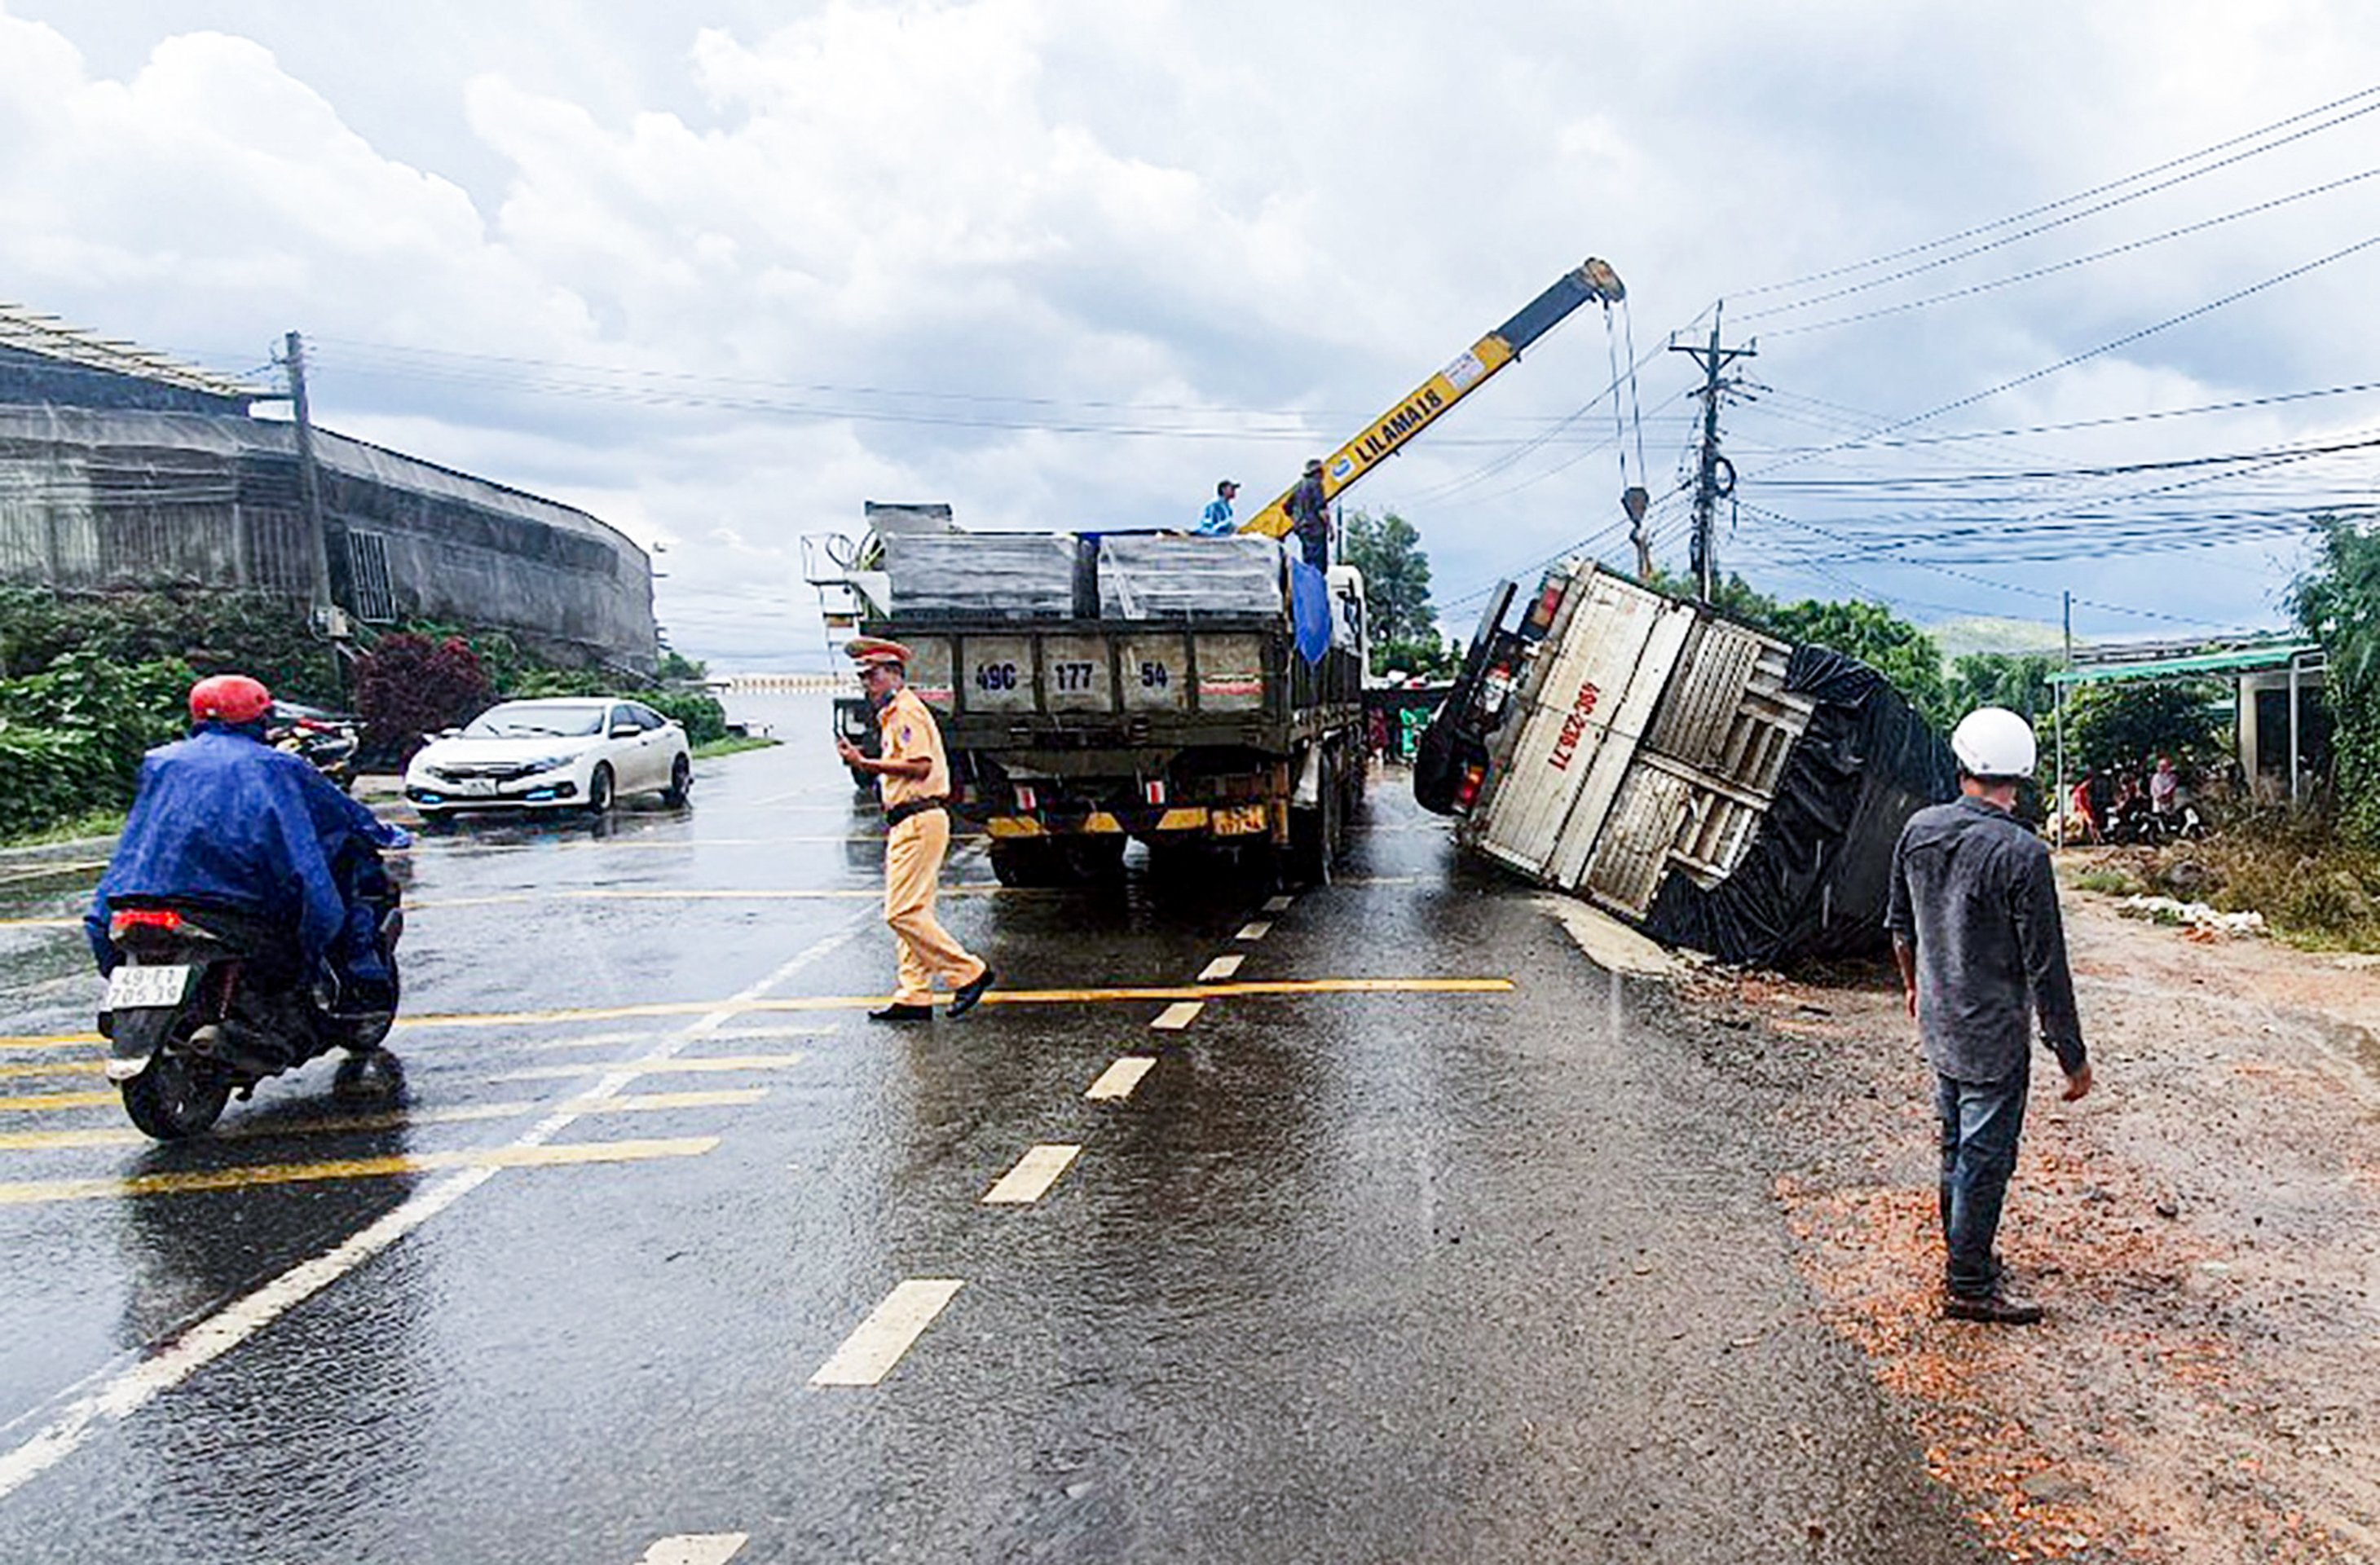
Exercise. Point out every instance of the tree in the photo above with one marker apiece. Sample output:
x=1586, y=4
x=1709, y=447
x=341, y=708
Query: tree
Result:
x=2123, y=727
x=2337, y=601
x=1396, y=575
x=1881, y=640
x=409, y=685
x=2018, y=681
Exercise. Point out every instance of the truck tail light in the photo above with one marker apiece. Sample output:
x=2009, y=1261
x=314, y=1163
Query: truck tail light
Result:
x=1473, y=776
x=1154, y=792
x=1026, y=800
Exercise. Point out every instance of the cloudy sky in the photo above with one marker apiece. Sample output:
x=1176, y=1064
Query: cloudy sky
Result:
x=2045, y=297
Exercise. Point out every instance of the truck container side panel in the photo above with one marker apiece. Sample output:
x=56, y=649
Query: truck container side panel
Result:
x=1712, y=675
x=1230, y=673
x=1587, y=834
x=1635, y=852
x=1577, y=727
x=1076, y=674
x=1814, y=879
x=1156, y=672
x=930, y=672
x=999, y=674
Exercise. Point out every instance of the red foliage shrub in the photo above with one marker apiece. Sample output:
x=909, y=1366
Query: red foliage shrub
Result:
x=411, y=685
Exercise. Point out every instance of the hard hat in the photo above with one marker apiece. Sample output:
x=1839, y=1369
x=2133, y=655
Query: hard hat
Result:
x=868, y=651
x=229, y=698
x=1993, y=742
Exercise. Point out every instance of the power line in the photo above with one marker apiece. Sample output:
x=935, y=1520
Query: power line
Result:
x=2096, y=191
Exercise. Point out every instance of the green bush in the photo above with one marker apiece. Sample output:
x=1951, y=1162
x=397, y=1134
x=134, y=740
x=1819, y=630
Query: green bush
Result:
x=696, y=711
x=248, y=633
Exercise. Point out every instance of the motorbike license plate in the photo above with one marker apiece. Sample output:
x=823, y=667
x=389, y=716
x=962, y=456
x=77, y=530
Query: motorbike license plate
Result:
x=131, y=988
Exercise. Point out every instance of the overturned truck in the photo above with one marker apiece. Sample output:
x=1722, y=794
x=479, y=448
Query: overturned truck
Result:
x=1714, y=786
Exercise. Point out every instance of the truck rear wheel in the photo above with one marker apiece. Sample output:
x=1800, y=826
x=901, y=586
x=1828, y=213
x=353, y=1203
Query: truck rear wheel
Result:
x=1022, y=861
x=1317, y=835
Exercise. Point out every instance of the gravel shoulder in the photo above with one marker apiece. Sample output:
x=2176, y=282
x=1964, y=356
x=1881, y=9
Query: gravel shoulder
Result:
x=2204, y=1230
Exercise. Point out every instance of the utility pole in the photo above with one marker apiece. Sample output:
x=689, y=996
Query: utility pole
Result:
x=333, y=580
x=1710, y=485
x=2058, y=805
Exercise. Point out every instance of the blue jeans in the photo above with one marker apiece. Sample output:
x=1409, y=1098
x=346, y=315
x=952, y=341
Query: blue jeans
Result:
x=1979, y=1123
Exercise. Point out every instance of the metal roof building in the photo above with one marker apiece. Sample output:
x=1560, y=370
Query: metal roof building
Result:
x=121, y=468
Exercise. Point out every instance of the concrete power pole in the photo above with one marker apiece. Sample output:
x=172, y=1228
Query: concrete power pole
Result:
x=1710, y=485
x=334, y=576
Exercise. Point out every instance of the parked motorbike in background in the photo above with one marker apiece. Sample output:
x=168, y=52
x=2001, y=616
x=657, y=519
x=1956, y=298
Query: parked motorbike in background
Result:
x=327, y=741
x=203, y=1002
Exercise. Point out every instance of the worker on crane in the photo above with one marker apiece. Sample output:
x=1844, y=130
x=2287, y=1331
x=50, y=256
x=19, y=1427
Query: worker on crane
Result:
x=1309, y=515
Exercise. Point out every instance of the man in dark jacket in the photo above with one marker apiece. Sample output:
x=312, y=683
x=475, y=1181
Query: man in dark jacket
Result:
x=1976, y=932
x=224, y=820
x=1309, y=515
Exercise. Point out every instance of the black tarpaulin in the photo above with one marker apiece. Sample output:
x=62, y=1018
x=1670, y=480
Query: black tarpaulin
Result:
x=1813, y=882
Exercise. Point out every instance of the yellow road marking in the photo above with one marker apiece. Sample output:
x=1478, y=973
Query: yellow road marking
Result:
x=56, y=1068
x=42, y=1102
x=655, y=894
x=640, y=1103
x=39, y=1192
x=1269, y=989
x=40, y=923
x=652, y=1067
x=63, y=1040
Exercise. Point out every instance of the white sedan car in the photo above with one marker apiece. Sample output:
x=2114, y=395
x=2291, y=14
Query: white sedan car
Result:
x=567, y=753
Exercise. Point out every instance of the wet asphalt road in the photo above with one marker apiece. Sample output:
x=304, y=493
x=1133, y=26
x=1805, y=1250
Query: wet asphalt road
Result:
x=1451, y=1273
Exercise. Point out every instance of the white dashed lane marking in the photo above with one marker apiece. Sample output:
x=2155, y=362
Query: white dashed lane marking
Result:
x=869, y=1355
x=696, y=1548
x=1255, y=929
x=1279, y=904
x=1178, y=1016
x=1221, y=967
x=1031, y=1178
x=1119, y=1079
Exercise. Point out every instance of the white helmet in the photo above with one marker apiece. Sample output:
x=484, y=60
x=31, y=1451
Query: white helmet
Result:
x=1993, y=742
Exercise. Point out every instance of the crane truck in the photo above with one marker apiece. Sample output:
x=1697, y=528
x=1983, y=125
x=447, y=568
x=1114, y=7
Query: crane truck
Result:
x=1195, y=693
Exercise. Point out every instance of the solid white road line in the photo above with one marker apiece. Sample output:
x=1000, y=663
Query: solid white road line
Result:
x=696, y=1548
x=1031, y=1178
x=1178, y=1016
x=1221, y=967
x=1119, y=1079
x=869, y=1355
x=117, y=1390
x=1278, y=905
x=1255, y=929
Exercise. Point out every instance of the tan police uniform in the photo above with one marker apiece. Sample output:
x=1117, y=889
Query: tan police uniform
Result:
x=913, y=849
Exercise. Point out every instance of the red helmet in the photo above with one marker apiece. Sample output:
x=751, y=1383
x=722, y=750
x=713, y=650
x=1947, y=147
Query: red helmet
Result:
x=229, y=698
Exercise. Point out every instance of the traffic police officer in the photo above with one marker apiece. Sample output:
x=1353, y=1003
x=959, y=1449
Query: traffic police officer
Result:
x=914, y=778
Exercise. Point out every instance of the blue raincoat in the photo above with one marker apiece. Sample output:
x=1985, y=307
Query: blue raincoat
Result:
x=225, y=818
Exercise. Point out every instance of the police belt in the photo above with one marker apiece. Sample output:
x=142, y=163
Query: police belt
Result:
x=896, y=814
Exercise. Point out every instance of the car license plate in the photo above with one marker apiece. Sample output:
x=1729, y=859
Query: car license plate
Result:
x=132, y=988
x=477, y=787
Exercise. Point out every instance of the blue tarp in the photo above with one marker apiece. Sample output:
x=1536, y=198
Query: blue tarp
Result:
x=1310, y=610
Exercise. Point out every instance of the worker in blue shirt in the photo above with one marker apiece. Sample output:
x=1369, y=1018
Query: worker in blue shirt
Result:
x=1217, y=518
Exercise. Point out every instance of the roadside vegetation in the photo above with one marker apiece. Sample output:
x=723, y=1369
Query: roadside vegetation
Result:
x=89, y=682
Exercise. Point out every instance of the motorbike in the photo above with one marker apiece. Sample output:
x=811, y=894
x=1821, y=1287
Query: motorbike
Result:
x=329, y=742
x=205, y=1001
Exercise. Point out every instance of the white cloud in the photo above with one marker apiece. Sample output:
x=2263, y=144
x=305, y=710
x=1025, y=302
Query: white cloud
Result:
x=911, y=250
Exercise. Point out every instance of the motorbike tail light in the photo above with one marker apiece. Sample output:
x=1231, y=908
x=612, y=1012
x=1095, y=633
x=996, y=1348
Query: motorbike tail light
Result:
x=144, y=919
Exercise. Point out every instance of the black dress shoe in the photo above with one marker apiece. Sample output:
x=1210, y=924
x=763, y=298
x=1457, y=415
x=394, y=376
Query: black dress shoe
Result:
x=1993, y=1309
x=963, y=998
x=898, y=1013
